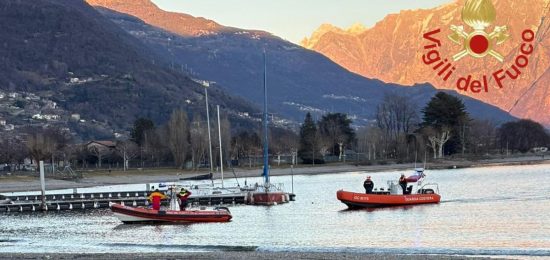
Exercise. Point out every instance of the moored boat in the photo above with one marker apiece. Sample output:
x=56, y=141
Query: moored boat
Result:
x=128, y=214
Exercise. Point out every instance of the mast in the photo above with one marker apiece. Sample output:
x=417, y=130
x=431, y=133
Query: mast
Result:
x=220, y=140
x=266, y=145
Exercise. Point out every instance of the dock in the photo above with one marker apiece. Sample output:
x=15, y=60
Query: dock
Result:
x=97, y=200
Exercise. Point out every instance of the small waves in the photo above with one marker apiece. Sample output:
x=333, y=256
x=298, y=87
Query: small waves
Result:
x=415, y=251
x=179, y=248
x=496, y=199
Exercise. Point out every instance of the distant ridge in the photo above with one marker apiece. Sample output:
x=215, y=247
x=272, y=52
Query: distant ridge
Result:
x=390, y=51
x=299, y=80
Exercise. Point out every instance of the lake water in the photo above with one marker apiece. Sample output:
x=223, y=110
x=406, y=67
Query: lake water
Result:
x=502, y=211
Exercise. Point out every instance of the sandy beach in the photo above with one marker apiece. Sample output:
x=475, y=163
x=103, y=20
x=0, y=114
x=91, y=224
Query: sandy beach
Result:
x=91, y=178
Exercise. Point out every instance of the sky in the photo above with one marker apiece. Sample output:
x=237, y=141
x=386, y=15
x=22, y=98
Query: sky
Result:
x=293, y=19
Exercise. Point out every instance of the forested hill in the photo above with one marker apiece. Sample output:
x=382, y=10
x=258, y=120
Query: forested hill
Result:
x=64, y=50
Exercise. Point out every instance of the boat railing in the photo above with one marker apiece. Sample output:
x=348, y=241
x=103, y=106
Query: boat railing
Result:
x=427, y=187
x=269, y=187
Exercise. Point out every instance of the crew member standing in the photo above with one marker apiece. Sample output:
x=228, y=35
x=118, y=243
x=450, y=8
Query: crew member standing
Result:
x=403, y=183
x=368, y=185
x=155, y=199
x=183, y=196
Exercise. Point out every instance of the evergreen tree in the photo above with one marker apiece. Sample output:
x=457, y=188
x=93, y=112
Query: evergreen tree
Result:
x=309, y=142
x=336, y=130
x=523, y=135
x=446, y=111
x=141, y=126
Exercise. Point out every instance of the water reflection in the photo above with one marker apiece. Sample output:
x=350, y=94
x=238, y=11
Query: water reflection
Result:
x=485, y=211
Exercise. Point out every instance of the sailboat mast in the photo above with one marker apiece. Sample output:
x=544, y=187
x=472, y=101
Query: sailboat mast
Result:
x=206, y=85
x=220, y=140
x=266, y=146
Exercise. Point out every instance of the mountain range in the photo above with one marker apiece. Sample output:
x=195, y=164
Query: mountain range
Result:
x=67, y=52
x=298, y=80
x=392, y=51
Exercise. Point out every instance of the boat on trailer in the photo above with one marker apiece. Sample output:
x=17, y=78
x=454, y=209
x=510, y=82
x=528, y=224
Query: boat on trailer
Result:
x=129, y=214
x=417, y=193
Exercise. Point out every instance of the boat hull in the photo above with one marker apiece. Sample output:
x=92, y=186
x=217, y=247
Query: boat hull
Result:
x=128, y=214
x=267, y=198
x=361, y=200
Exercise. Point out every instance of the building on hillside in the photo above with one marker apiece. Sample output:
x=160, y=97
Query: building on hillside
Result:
x=101, y=151
x=108, y=145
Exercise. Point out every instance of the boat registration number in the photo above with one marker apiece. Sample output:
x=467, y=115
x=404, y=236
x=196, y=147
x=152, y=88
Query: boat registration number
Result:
x=360, y=198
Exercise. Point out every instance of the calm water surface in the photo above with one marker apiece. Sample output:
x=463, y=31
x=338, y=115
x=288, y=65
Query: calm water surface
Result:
x=484, y=211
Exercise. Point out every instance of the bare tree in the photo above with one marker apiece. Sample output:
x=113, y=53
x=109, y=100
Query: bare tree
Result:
x=199, y=140
x=13, y=151
x=127, y=150
x=396, y=116
x=370, y=142
x=437, y=139
x=155, y=144
x=43, y=144
x=178, y=134
x=482, y=136
x=99, y=151
x=226, y=136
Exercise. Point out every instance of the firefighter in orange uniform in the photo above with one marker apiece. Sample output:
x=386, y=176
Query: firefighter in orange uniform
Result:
x=155, y=198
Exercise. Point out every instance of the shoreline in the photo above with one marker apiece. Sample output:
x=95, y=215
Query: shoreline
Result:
x=22, y=183
x=236, y=255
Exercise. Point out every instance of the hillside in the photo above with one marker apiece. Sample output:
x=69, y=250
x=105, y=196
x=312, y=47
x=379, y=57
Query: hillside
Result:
x=299, y=80
x=64, y=51
x=392, y=52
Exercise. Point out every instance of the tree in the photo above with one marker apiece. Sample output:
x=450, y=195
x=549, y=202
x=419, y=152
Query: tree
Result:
x=335, y=128
x=309, y=142
x=13, y=151
x=44, y=143
x=178, y=136
x=99, y=151
x=247, y=144
x=370, y=142
x=437, y=139
x=128, y=150
x=225, y=128
x=522, y=135
x=198, y=136
x=281, y=142
x=141, y=125
x=396, y=116
x=445, y=113
x=481, y=136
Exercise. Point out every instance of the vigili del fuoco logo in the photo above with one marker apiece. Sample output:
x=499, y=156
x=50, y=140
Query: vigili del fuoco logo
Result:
x=478, y=41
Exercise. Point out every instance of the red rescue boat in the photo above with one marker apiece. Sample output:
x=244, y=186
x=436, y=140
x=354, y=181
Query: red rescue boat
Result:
x=128, y=214
x=394, y=195
x=361, y=200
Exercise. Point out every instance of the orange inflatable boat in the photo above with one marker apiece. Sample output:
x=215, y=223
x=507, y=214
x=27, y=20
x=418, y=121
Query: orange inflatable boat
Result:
x=362, y=200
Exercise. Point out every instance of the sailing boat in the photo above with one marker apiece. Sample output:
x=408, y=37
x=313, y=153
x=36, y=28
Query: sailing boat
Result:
x=268, y=193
